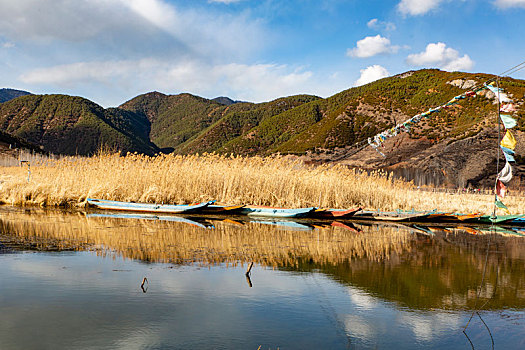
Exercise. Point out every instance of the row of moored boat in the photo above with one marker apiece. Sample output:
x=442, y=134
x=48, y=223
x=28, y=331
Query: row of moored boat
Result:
x=311, y=212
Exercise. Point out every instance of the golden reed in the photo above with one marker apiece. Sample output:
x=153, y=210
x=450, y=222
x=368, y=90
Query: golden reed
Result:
x=274, y=181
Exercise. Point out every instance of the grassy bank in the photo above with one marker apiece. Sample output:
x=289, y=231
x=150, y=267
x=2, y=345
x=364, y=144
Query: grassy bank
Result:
x=274, y=181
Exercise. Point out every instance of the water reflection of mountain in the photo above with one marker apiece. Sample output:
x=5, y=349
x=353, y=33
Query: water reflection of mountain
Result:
x=441, y=272
x=397, y=263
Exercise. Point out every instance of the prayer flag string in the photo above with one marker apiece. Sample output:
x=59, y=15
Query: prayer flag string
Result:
x=507, y=143
x=377, y=140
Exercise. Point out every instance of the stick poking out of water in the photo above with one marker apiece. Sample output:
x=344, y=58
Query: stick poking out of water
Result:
x=249, y=269
x=144, y=281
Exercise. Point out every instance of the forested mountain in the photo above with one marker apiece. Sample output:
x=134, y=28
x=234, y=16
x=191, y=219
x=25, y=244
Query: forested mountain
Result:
x=456, y=146
x=176, y=120
x=74, y=125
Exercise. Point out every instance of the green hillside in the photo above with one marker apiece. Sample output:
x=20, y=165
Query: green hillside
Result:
x=357, y=113
x=175, y=118
x=188, y=123
x=238, y=121
x=74, y=125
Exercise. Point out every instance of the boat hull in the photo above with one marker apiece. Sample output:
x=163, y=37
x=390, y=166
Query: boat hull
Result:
x=333, y=213
x=147, y=207
x=276, y=212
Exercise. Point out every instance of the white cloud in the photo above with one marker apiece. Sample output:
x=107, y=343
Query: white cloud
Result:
x=371, y=73
x=371, y=46
x=428, y=327
x=8, y=45
x=440, y=56
x=126, y=26
x=509, y=3
x=376, y=24
x=417, y=7
x=372, y=23
x=258, y=82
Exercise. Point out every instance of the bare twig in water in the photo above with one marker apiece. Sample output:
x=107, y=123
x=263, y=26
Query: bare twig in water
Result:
x=468, y=338
x=488, y=329
x=144, y=281
x=249, y=269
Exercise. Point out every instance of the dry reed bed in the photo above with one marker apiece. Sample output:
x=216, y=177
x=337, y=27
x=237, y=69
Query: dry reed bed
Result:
x=274, y=181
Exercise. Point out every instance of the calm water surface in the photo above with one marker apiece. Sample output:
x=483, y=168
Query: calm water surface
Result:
x=73, y=281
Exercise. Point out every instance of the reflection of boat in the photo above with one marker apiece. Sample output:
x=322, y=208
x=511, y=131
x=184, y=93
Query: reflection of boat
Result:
x=153, y=217
x=147, y=207
x=390, y=216
x=519, y=231
x=276, y=212
x=348, y=226
x=285, y=224
x=487, y=230
x=333, y=213
x=233, y=222
x=473, y=230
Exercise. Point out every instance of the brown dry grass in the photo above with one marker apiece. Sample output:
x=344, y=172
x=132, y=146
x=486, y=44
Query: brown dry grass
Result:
x=274, y=181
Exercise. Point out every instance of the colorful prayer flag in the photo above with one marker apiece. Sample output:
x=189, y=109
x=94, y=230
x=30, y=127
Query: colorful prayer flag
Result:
x=508, y=141
x=500, y=205
x=505, y=175
x=501, y=189
x=508, y=121
x=508, y=108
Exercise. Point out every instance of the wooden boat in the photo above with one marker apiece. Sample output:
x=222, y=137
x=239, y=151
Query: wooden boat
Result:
x=391, y=216
x=221, y=209
x=452, y=217
x=333, y=213
x=147, y=207
x=519, y=221
x=275, y=212
x=499, y=219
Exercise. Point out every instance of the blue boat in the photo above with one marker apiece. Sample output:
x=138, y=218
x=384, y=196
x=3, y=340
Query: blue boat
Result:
x=519, y=221
x=276, y=212
x=147, y=207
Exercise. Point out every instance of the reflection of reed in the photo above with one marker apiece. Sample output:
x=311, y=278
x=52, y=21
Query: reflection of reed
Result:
x=174, y=242
x=422, y=271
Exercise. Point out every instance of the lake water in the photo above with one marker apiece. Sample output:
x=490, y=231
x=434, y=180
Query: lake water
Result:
x=71, y=280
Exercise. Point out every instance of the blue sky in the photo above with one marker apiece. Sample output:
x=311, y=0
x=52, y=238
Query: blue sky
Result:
x=112, y=50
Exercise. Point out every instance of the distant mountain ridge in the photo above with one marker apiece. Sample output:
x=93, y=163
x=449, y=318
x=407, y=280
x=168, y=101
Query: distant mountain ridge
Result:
x=9, y=94
x=225, y=100
x=456, y=146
